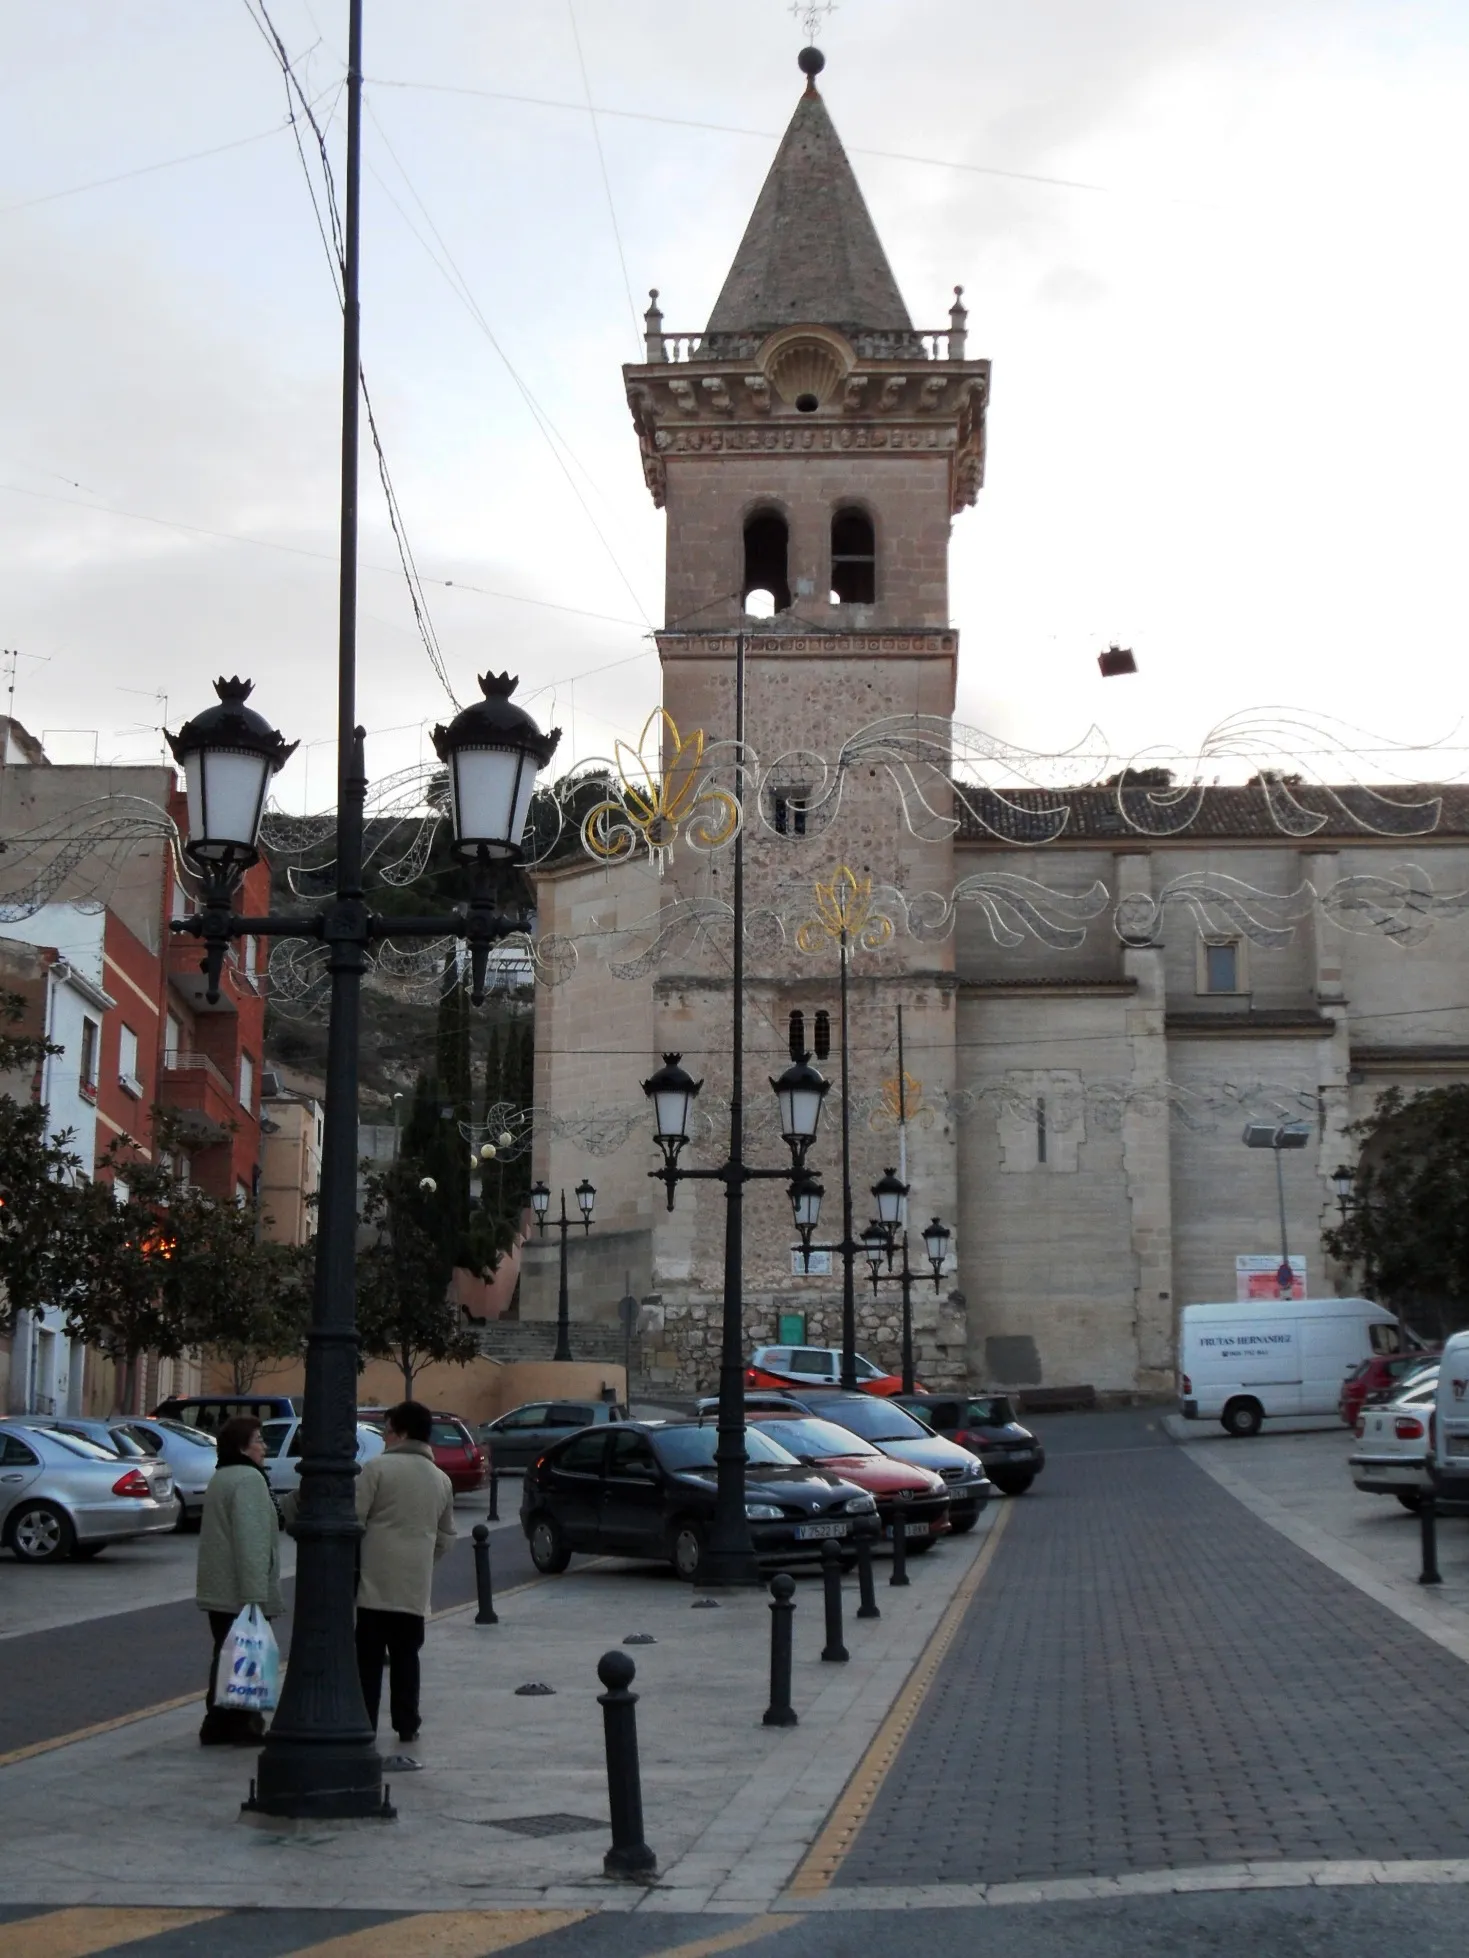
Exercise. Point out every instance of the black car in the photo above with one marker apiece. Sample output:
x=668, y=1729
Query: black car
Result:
x=516, y=1439
x=896, y=1433
x=985, y=1424
x=640, y=1490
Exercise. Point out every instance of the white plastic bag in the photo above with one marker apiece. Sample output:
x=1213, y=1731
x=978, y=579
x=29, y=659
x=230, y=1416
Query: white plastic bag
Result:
x=249, y=1664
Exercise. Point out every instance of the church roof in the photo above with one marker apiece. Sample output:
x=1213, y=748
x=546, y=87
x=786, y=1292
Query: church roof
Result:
x=810, y=254
x=1225, y=813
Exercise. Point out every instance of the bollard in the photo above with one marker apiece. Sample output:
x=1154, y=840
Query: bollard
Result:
x=900, y=1548
x=868, y=1607
x=1428, y=1531
x=780, y=1712
x=831, y=1577
x=494, y=1492
x=486, y=1613
x=629, y=1855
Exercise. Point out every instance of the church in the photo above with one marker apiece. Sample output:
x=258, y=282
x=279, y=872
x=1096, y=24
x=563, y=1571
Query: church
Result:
x=1093, y=989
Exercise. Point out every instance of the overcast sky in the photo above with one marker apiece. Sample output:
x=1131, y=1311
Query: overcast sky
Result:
x=1230, y=400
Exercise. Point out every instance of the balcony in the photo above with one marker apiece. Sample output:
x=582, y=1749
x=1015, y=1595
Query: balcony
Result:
x=196, y=1091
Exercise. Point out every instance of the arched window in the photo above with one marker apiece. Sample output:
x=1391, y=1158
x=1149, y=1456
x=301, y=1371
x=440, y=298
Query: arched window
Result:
x=798, y=1035
x=853, y=558
x=767, y=586
x=823, y=1033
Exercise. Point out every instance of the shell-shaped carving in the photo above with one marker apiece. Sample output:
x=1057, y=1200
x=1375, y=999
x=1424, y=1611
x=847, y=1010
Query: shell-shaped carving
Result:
x=805, y=366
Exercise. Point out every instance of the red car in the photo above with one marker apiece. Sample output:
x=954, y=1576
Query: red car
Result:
x=1380, y=1379
x=800, y=1367
x=456, y=1451
x=923, y=1495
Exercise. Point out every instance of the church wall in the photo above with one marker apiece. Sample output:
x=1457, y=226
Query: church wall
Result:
x=1277, y=976
x=907, y=497
x=979, y=956
x=1389, y=985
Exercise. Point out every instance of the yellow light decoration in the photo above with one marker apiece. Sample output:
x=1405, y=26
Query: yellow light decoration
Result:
x=896, y=1108
x=659, y=789
x=845, y=913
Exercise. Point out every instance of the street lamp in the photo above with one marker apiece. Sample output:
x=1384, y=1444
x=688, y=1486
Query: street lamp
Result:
x=1279, y=1136
x=586, y=1197
x=1343, y=1181
x=887, y=1238
x=800, y=1092
x=320, y=1757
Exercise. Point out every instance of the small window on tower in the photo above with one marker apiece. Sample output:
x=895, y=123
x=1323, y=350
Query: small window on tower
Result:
x=798, y=1035
x=853, y=558
x=788, y=811
x=767, y=586
x=823, y=1034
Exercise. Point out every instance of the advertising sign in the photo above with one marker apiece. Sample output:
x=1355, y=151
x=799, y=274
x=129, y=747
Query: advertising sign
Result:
x=1264, y=1277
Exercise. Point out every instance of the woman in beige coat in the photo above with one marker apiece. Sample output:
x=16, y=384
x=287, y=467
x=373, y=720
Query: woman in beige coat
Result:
x=406, y=1503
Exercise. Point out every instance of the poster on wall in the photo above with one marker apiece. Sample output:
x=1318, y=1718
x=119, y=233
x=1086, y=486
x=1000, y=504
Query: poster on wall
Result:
x=819, y=1267
x=1264, y=1277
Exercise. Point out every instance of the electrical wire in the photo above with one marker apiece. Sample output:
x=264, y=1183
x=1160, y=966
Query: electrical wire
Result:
x=143, y=170
x=581, y=62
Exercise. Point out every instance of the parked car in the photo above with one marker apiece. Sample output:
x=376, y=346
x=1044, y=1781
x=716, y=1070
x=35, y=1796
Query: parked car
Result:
x=62, y=1495
x=1382, y=1378
x=921, y=1496
x=456, y=1451
x=897, y=1433
x=645, y=1490
x=211, y=1411
x=1391, y=1455
x=190, y=1453
x=115, y=1435
x=516, y=1439
x=283, y=1451
x=1448, y=1430
x=985, y=1424
x=814, y=1366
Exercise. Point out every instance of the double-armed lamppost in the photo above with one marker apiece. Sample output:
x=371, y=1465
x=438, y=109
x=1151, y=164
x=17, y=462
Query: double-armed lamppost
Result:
x=799, y=1091
x=540, y=1202
x=320, y=1756
x=885, y=1238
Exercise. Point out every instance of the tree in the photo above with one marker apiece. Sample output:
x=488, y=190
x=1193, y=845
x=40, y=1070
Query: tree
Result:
x=265, y=1314
x=40, y=1257
x=1406, y=1230
x=404, y=1313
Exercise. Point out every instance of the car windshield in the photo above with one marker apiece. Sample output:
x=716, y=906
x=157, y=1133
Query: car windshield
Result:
x=817, y=1439
x=78, y=1445
x=193, y=1435
x=693, y=1448
x=877, y=1420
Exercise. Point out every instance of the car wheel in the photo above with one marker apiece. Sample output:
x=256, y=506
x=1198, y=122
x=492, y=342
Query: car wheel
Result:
x=1410, y=1499
x=40, y=1533
x=1012, y=1485
x=686, y=1551
x=548, y=1551
x=1242, y=1417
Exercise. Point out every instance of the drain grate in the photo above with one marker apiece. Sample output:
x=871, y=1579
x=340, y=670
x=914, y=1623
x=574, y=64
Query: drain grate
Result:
x=546, y=1825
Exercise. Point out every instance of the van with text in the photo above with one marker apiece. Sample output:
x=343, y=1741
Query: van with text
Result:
x=1448, y=1448
x=1245, y=1363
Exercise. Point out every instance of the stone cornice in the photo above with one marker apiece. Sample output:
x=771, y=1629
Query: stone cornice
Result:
x=939, y=642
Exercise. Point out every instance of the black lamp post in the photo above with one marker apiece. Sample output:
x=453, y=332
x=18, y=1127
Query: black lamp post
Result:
x=320, y=1756
x=885, y=1238
x=540, y=1202
x=1343, y=1181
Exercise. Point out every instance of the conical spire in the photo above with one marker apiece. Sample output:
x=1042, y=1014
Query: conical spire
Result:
x=810, y=253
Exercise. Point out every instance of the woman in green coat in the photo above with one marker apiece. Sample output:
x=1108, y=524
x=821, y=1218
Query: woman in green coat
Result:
x=239, y=1564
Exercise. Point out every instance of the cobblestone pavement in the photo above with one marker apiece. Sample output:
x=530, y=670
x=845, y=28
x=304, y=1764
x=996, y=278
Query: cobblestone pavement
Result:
x=1150, y=1678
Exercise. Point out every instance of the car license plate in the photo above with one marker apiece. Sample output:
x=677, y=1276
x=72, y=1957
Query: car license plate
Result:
x=1022, y=1454
x=911, y=1530
x=805, y=1532
x=163, y=1487
x=1457, y=1445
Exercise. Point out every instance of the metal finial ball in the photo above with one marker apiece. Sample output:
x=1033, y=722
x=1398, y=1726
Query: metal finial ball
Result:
x=783, y=1586
x=811, y=61
x=616, y=1671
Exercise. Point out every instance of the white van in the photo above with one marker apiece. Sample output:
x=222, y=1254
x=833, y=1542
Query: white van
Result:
x=1246, y=1363
x=1449, y=1447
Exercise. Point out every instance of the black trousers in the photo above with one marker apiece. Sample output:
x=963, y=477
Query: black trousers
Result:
x=397, y=1637
x=226, y=1723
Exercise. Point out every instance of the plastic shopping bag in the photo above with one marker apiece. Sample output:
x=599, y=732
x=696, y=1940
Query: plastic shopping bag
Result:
x=249, y=1664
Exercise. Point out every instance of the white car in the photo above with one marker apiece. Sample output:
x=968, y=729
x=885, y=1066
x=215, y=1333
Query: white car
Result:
x=1391, y=1455
x=283, y=1451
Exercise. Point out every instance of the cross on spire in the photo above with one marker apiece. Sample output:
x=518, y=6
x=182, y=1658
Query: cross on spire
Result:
x=811, y=13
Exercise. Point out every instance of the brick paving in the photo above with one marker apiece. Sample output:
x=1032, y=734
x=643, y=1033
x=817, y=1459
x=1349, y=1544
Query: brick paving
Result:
x=1152, y=1678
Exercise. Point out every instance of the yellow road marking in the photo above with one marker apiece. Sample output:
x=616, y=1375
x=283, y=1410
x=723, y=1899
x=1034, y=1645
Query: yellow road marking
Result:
x=825, y=1856
x=445, y=1934
x=759, y=1927
x=75, y=1933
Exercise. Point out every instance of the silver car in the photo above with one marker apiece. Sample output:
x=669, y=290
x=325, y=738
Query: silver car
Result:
x=192, y=1454
x=64, y=1495
x=114, y=1434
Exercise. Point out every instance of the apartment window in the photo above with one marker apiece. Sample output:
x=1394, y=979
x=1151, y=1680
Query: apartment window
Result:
x=91, y=1045
x=173, y=1040
x=127, y=1062
x=247, y=1082
x=1221, y=966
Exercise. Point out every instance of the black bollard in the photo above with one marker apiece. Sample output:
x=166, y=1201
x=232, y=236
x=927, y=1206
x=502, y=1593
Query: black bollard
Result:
x=629, y=1855
x=868, y=1607
x=494, y=1493
x=831, y=1576
x=1428, y=1531
x=486, y=1613
x=900, y=1548
x=780, y=1712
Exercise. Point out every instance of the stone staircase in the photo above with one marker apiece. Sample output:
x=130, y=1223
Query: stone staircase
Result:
x=509, y=1340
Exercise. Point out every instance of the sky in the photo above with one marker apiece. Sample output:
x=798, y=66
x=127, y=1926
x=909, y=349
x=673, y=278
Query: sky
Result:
x=1229, y=401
